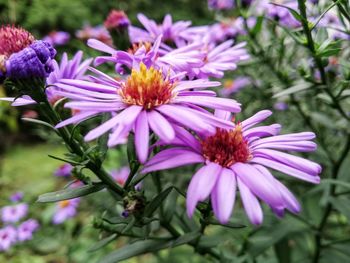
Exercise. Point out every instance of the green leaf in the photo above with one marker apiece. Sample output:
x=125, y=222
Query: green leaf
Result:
x=258, y=25
x=228, y=225
x=294, y=89
x=102, y=140
x=283, y=251
x=186, y=238
x=294, y=13
x=135, y=249
x=102, y=243
x=156, y=201
x=70, y=193
x=342, y=204
x=336, y=182
x=39, y=122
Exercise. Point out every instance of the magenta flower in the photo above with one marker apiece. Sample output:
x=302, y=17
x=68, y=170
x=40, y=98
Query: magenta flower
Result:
x=8, y=236
x=146, y=100
x=14, y=213
x=64, y=210
x=64, y=170
x=237, y=158
x=26, y=229
x=57, y=38
x=171, y=32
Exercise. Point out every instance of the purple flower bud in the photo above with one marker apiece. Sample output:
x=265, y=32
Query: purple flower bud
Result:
x=125, y=214
x=16, y=197
x=33, y=61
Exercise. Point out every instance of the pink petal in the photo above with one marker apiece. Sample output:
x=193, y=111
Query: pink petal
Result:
x=142, y=136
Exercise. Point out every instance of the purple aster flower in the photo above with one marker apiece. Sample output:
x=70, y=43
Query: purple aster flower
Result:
x=174, y=61
x=57, y=38
x=26, y=229
x=219, y=59
x=280, y=106
x=146, y=101
x=8, y=236
x=282, y=14
x=64, y=210
x=16, y=197
x=64, y=170
x=237, y=158
x=98, y=32
x=233, y=86
x=14, y=213
x=33, y=61
x=220, y=4
x=171, y=32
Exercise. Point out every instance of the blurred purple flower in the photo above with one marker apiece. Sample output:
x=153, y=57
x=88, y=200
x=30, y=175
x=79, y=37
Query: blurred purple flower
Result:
x=26, y=229
x=238, y=157
x=121, y=175
x=64, y=210
x=13, y=213
x=16, y=197
x=116, y=19
x=233, y=86
x=8, y=237
x=280, y=106
x=171, y=32
x=282, y=14
x=220, y=4
x=98, y=32
x=57, y=38
x=146, y=100
x=64, y=170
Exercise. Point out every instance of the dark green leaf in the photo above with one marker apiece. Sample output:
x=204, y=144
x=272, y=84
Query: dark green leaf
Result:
x=102, y=243
x=283, y=251
x=228, y=225
x=135, y=249
x=156, y=201
x=186, y=238
x=342, y=204
x=70, y=193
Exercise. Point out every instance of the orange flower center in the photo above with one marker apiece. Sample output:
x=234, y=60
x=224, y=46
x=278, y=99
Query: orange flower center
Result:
x=64, y=203
x=226, y=147
x=136, y=46
x=147, y=88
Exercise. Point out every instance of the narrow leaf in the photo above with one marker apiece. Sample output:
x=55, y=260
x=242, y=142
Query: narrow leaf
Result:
x=155, y=203
x=102, y=243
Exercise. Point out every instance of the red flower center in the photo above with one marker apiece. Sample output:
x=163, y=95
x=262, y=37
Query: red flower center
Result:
x=14, y=39
x=147, y=88
x=226, y=147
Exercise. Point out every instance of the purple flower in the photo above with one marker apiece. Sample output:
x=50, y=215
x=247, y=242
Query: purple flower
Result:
x=116, y=20
x=174, y=61
x=16, y=197
x=7, y=237
x=237, y=158
x=282, y=14
x=219, y=59
x=26, y=229
x=33, y=61
x=57, y=38
x=64, y=210
x=146, y=101
x=64, y=170
x=74, y=68
x=220, y=4
x=98, y=32
x=280, y=106
x=14, y=213
x=233, y=86
x=171, y=32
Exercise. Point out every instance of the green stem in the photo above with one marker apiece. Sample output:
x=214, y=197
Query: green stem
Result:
x=342, y=10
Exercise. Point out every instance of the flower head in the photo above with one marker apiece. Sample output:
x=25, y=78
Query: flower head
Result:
x=116, y=20
x=220, y=4
x=8, y=237
x=98, y=32
x=16, y=197
x=14, y=39
x=237, y=158
x=64, y=210
x=233, y=86
x=64, y=170
x=146, y=100
x=14, y=213
x=57, y=38
x=26, y=229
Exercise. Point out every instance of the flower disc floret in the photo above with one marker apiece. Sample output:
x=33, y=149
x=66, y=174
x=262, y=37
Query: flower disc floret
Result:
x=147, y=88
x=226, y=147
